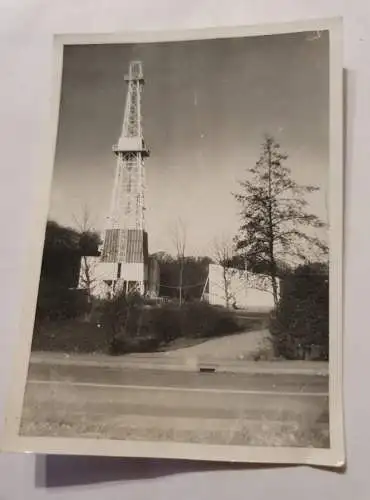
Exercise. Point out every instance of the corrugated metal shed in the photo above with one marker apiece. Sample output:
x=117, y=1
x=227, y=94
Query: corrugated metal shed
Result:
x=125, y=245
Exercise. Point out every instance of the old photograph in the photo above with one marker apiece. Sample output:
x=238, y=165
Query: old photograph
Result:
x=185, y=289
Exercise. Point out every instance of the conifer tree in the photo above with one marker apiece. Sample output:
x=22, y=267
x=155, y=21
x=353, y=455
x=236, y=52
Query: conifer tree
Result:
x=274, y=217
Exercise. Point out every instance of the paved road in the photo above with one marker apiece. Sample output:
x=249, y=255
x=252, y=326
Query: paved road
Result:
x=149, y=404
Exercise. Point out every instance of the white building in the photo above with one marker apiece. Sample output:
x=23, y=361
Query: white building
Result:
x=104, y=278
x=230, y=287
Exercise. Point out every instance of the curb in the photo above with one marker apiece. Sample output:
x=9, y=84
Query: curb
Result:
x=190, y=366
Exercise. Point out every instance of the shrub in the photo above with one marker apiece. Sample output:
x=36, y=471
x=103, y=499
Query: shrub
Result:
x=300, y=325
x=119, y=346
x=133, y=327
x=204, y=320
x=192, y=320
x=166, y=322
x=121, y=318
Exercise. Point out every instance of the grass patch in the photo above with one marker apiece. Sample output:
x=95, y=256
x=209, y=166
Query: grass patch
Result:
x=67, y=414
x=286, y=433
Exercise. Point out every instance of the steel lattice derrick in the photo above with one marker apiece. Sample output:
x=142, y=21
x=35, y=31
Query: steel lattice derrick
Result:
x=124, y=235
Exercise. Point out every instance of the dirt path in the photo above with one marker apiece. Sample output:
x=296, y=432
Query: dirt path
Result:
x=238, y=346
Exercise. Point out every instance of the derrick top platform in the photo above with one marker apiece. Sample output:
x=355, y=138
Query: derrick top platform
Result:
x=131, y=145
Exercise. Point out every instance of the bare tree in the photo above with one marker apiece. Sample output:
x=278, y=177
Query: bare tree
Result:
x=87, y=276
x=179, y=238
x=88, y=243
x=223, y=252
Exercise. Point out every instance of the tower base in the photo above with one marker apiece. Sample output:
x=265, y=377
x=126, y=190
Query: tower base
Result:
x=105, y=279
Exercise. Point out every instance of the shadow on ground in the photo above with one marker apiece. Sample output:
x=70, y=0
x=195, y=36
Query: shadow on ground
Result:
x=55, y=471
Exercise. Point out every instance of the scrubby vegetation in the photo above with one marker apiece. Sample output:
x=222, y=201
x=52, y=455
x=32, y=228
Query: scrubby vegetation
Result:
x=71, y=320
x=126, y=323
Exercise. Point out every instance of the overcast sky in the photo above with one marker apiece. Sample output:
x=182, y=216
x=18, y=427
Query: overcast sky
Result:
x=206, y=107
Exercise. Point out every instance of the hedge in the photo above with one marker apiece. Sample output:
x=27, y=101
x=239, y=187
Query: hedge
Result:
x=300, y=325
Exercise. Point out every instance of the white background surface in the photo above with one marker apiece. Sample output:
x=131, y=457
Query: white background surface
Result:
x=25, y=57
